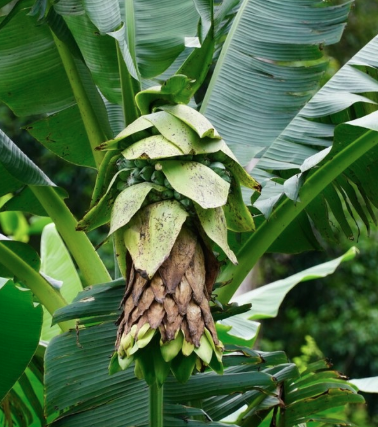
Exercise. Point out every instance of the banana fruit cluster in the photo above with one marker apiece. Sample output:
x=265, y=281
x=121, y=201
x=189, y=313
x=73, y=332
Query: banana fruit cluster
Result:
x=179, y=194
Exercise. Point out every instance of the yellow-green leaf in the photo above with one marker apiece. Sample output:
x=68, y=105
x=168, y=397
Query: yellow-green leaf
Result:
x=151, y=234
x=197, y=182
x=213, y=222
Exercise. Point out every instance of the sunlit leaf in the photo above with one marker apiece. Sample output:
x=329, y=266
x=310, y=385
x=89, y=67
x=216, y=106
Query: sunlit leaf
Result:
x=267, y=299
x=367, y=385
x=56, y=262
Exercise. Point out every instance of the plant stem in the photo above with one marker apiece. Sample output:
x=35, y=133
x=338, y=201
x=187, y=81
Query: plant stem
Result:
x=103, y=179
x=130, y=110
x=156, y=406
x=46, y=294
x=287, y=211
x=92, y=127
x=82, y=250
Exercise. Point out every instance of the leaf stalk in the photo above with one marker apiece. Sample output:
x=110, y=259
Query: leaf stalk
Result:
x=92, y=127
x=46, y=294
x=82, y=250
x=130, y=110
x=287, y=211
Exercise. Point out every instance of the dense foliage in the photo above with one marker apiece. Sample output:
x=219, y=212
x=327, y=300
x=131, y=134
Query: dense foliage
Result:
x=104, y=86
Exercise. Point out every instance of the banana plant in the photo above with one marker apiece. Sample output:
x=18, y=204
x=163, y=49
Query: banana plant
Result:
x=174, y=105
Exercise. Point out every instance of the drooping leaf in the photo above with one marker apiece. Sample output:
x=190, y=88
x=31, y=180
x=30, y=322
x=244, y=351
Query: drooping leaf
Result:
x=150, y=235
x=267, y=299
x=21, y=326
x=152, y=43
x=367, y=385
x=70, y=382
x=315, y=395
x=244, y=360
x=128, y=202
x=305, y=409
x=197, y=182
x=213, y=222
x=16, y=168
x=207, y=385
x=107, y=19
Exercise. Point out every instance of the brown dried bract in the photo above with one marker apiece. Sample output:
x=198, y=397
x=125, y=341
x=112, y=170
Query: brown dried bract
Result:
x=175, y=266
x=196, y=274
x=186, y=332
x=183, y=296
x=138, y=287
x=171, y=309
x=155, y=314
x=177, y=295
x=158, y=288
x=195, y=322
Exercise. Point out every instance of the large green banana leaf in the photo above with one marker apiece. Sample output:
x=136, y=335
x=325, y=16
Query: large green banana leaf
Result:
x=31, y=69
x=344, y=109
x=269, y=68
x=329, y=153
x=34, y=82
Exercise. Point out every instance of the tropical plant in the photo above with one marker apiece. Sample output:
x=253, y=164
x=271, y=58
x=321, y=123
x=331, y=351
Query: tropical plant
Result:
x=109, y=83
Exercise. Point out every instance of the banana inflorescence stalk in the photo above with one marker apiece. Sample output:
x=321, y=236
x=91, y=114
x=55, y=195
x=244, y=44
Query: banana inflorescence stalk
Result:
x=178, y=188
